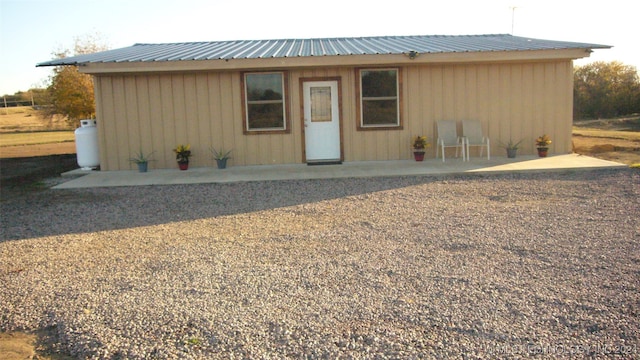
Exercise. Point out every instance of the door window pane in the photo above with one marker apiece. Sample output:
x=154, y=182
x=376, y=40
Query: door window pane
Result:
x=320, y=104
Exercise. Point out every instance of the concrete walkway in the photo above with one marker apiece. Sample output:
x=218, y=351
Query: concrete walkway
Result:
x=345, y=170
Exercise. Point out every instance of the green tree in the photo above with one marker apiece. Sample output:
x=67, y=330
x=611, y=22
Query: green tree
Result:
x=70, y=91
x=605, y=89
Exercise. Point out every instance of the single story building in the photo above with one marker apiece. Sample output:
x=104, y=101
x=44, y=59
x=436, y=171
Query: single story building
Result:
x=333, y=99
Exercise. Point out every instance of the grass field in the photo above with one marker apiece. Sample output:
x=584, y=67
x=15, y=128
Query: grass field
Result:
x=606, y=134
x=23, y=133
x=26, y=119
x=35, y=138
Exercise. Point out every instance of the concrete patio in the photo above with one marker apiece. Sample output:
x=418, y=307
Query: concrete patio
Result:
x=348, y=169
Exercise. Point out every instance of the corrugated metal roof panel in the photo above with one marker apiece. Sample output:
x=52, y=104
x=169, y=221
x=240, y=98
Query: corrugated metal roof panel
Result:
x=253, y=49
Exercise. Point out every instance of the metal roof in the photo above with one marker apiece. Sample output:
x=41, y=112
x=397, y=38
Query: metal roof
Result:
x=255, y=49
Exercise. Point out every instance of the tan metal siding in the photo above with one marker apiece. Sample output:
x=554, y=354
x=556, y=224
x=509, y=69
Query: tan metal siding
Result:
x=106, y=125
x=221, y=100
x=201, y=111
x=165, y=103
x=156, y=131
x=204, y=109
x=122, y=130
x=513, y=101
x=144, y=116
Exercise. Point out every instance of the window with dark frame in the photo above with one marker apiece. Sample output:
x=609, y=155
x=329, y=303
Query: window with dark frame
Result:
x=265, y=107
x=379, y=98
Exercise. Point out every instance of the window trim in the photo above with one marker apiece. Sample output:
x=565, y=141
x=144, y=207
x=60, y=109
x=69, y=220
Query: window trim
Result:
x=359, y=107
x=285, y=104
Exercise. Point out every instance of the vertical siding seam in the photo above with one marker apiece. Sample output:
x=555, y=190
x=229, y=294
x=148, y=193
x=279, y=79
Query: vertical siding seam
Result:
x=124, y=136
x=141, y=123
x=222, y=136
x=149, y=112
x=211, y=110
x=131, y=110
x=99, y=110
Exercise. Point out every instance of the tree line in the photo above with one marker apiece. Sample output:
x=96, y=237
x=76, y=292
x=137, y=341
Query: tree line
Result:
x=33, y=97
x=604, y=90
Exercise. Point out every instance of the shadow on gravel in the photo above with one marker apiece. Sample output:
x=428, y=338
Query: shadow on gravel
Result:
x=54, y=212
x=19, y=176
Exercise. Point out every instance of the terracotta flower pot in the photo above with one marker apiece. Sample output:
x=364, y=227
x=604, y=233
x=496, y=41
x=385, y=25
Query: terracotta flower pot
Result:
x=418, y=155
x=183, y=165
x=542, y=152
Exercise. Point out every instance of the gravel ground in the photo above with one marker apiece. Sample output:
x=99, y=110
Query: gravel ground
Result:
x=510, y=265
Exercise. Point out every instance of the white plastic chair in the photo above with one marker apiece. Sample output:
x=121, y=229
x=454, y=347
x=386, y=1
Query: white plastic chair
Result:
x=473, y=136
x=448, y=137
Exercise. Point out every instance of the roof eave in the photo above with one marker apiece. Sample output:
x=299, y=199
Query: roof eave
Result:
x=335, y=60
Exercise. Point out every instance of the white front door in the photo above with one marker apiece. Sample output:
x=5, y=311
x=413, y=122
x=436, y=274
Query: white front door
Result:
x=321, y=121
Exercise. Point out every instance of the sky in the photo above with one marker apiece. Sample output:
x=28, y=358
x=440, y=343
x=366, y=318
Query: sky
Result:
x=32, y=30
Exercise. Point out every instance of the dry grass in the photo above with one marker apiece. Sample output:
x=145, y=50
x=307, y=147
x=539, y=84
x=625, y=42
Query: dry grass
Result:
x=27, y=119
x=612, y=139
x=24, y=133
x=35, y=138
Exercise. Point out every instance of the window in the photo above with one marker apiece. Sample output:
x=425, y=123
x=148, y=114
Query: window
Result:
x=265, y=108
x=379, y=98
x=320, y=104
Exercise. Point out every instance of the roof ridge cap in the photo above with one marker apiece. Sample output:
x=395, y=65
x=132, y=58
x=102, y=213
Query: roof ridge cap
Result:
x=326, y=38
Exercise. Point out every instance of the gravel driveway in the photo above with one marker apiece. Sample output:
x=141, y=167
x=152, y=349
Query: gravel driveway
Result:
x=401, y=267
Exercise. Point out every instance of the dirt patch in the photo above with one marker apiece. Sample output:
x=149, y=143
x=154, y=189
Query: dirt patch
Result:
x=40, y=345
x=615, y=139
x=17, y=346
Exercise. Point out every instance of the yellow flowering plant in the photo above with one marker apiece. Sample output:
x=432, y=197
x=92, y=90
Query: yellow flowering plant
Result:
x=420, y=142
x=183, y=152
x=543, y=141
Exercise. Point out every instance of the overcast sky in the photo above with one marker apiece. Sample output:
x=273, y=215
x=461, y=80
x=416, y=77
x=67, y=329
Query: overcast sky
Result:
x=31, y=30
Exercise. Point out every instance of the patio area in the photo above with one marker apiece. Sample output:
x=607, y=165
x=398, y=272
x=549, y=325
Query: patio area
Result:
x=346, y=170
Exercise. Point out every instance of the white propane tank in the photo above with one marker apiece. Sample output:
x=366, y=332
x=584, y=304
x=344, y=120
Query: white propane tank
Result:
x=87, y=145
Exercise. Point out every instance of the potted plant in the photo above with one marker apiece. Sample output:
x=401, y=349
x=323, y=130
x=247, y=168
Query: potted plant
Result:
x=221, y=157
x=183, y=153
x=420, y=143
x=512, y=148
x=542, y=143
x=142, y=160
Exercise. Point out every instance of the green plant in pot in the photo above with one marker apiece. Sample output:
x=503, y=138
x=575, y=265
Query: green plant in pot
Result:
x=141, y=160
x=183, y=153
x=221, y=156
x=542, y=143
x=512, y=148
